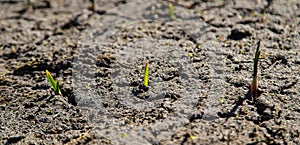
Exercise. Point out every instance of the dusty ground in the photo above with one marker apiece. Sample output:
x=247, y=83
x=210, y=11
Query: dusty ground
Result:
x=201, y=65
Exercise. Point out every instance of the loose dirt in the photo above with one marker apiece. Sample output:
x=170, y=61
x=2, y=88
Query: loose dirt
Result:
x=200, y=67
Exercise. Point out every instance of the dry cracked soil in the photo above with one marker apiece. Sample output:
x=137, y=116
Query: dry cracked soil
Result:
x=200, y=68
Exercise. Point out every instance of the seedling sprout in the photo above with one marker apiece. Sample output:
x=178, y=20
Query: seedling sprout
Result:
x=54, y=84
x=146, y=74
x=254, y=85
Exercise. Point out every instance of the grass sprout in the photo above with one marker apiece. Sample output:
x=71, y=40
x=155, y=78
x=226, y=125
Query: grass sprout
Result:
x=54, y=84
x=254, y=84
x=146, y=74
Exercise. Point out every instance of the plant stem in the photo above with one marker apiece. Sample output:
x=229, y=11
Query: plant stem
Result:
x=254, y=85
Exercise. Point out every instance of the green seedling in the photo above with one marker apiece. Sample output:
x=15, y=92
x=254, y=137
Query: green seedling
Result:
x=54, y=84
x=254, y=84
x=171, y=11
x=146, y=74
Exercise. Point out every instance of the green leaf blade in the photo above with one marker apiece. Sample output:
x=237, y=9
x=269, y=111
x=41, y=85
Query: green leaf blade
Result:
x=58, y=90
x=53, y=83
x=146, y=74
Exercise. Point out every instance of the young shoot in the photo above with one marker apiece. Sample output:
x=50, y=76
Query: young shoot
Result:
x=54, y=84
x=146, y=74
x=254, y=84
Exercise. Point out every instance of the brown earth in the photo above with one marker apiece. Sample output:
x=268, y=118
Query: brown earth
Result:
x=201, y=65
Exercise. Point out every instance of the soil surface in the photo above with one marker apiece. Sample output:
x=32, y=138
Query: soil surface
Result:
x=200, y=68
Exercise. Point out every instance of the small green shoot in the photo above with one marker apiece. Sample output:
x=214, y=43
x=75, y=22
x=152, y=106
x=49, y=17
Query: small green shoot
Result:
x=54, y=84
x=171, y=11
x=146, y=74
x=254, y=85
